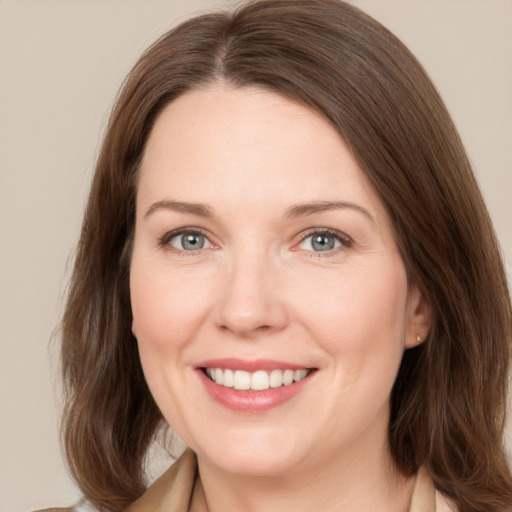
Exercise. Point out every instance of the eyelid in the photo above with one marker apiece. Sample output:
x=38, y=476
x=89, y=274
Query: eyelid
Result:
x=344, y=239
x=164, y=241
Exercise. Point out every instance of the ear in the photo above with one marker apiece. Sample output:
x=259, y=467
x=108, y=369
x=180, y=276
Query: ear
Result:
x=419, y=318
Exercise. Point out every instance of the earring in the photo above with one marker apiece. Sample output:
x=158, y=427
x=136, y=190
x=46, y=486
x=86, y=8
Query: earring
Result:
x=418, y=339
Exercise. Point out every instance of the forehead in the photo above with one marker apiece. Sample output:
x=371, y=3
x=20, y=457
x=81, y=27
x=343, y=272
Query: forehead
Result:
x=248, y=146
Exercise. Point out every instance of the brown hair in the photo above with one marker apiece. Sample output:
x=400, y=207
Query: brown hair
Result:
x=449, y=399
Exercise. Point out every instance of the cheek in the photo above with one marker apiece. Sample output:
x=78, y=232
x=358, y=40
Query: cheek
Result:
x=356, y=313
x=167, y=307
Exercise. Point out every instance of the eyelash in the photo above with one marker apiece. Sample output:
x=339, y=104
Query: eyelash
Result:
x=345, y=241
x=164, y=241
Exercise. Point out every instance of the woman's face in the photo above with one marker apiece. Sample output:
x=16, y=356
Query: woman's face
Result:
x=262, y=255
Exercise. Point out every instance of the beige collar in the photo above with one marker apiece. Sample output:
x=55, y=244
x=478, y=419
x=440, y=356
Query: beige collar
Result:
x=173, y=490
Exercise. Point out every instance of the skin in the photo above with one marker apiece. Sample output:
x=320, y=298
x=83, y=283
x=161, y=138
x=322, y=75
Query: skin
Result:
x=258, y=290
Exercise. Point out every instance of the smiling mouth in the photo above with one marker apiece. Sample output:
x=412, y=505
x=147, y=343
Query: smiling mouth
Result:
x=260, y=380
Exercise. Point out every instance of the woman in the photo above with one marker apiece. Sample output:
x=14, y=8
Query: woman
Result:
x=286, y=258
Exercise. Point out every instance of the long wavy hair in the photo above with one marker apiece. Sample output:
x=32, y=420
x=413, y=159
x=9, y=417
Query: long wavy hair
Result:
x=449, y=399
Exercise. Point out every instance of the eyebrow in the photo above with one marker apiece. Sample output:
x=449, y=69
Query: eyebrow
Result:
x=304, y=209
x=293, y=212
x=202, y=210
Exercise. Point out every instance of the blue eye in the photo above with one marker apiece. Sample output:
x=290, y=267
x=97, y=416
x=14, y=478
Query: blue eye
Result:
x=322, y=241
x=189, y=241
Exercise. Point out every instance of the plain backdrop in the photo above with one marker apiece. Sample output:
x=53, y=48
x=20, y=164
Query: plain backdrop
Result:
x=61, y=64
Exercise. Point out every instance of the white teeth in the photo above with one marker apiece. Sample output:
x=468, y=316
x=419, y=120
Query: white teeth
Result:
x=256, y=381
x=218, y=375
x=259, y=381
x=228, y=378
x=276, y=378
x=288, y=377
x=299, y=375
x=242, y=380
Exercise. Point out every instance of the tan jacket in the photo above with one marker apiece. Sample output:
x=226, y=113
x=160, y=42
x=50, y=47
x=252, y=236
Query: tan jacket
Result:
x=172, y=491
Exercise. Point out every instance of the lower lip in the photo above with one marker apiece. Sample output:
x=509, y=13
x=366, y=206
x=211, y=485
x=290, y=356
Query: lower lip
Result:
x=252, y=401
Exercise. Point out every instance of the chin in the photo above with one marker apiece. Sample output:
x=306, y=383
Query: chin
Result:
x=256, y=455
x=256, y=464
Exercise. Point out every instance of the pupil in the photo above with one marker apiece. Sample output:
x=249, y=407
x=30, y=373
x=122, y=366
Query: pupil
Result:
x=323, y=242
x=191, y=242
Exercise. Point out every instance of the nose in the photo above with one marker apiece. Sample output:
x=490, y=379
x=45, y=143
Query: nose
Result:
x=251, y=302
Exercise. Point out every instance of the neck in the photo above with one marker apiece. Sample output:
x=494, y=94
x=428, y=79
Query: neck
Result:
x=360, y=477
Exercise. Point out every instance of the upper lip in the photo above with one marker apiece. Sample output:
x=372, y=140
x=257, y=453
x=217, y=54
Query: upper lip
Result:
x=250, y=365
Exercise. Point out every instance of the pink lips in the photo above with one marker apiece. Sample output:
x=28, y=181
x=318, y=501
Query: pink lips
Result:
x=250, y=401
x=249, y=366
